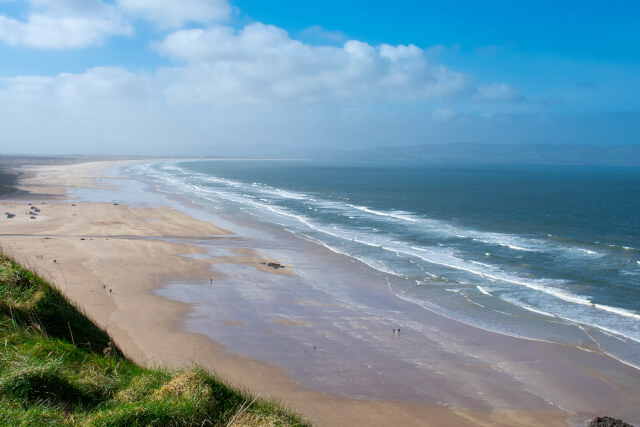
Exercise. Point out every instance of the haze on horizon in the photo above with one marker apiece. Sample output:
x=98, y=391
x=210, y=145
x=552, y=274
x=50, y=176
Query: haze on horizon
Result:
x=196, y=76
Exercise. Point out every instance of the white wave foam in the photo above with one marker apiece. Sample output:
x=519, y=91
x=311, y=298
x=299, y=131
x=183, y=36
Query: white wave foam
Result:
x=290, y=195
x=626, y=248
x=225, y=181
x=587, y=251
x=431, y=226
x=619, y=311
x=483, y=290
x=486, y=271
x=284, y=194
x=544, y=313
x=375, y=266
x=460, y=264
x=504, y=244
x=405, y=216
x=446, y=230
x=481, y=264
x=256, y=186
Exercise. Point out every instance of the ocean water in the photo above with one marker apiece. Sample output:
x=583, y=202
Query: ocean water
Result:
x=547, y=252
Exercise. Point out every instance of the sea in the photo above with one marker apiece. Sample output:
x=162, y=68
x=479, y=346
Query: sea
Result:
x=548, y=253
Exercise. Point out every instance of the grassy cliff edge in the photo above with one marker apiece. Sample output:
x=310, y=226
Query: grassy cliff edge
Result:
x=58, y=368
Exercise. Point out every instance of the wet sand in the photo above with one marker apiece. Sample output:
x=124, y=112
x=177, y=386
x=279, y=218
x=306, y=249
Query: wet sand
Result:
x=316, y=335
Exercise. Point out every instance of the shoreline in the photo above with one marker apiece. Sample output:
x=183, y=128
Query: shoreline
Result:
x=492, y=331
x=137, y=338
x=183, y=200
x=541, y=294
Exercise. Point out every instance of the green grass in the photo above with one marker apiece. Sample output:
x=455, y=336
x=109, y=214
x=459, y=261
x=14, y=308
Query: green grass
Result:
x=58, y=368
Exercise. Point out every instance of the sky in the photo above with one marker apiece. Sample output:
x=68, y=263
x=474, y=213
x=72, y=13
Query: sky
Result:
x=200, y=77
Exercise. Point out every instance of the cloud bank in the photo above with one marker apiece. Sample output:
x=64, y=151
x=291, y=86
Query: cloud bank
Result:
x=73, y=24
x=172, y=13
x=226, y=84
x=64, y=24
x=262, y=64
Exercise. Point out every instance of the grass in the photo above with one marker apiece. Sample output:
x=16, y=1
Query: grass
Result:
x=58, y=368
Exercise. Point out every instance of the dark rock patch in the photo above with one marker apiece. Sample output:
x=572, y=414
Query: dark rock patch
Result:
x=608, y=422
x=274, y=265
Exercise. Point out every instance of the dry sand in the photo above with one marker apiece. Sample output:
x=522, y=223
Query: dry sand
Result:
x=109, y=258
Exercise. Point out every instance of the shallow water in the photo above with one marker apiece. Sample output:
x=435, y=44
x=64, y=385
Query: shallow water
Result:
x=549, y=253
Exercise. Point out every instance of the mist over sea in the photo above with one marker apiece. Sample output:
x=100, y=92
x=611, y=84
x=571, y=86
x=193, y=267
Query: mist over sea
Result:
x=540, y=252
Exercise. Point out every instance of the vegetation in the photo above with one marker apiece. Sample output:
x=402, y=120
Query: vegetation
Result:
x=58, y=368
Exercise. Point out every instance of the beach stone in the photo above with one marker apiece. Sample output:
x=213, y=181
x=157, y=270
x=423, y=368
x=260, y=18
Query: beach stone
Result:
x=274, y=265
x=608, y=422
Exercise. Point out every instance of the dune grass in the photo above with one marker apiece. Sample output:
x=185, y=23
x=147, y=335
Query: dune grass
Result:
x=58, y=368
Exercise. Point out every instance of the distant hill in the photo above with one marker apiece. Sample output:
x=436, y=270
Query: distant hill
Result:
x=463, y=153
x=540, y=154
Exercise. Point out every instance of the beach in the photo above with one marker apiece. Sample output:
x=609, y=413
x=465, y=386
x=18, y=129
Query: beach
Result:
x=177, y=285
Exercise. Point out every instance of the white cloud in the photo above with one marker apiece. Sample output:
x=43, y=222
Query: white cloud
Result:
x=501, y=93
x=103, y=110
x=70, y=24
x=498, y=92
x=112, y=110
x=262, y=64
x=172, y=13
x=443, y=114
x=86, y=8
x=229, y=86
x=64, y=24
x=97, y=88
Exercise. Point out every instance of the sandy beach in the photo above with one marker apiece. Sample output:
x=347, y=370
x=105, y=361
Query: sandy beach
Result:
x=175, y=287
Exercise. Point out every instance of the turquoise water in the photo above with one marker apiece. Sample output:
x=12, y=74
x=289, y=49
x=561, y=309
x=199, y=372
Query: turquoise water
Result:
x=549, y=253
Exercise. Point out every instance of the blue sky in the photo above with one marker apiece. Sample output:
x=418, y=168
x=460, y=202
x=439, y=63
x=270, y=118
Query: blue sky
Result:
x=166, y=77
